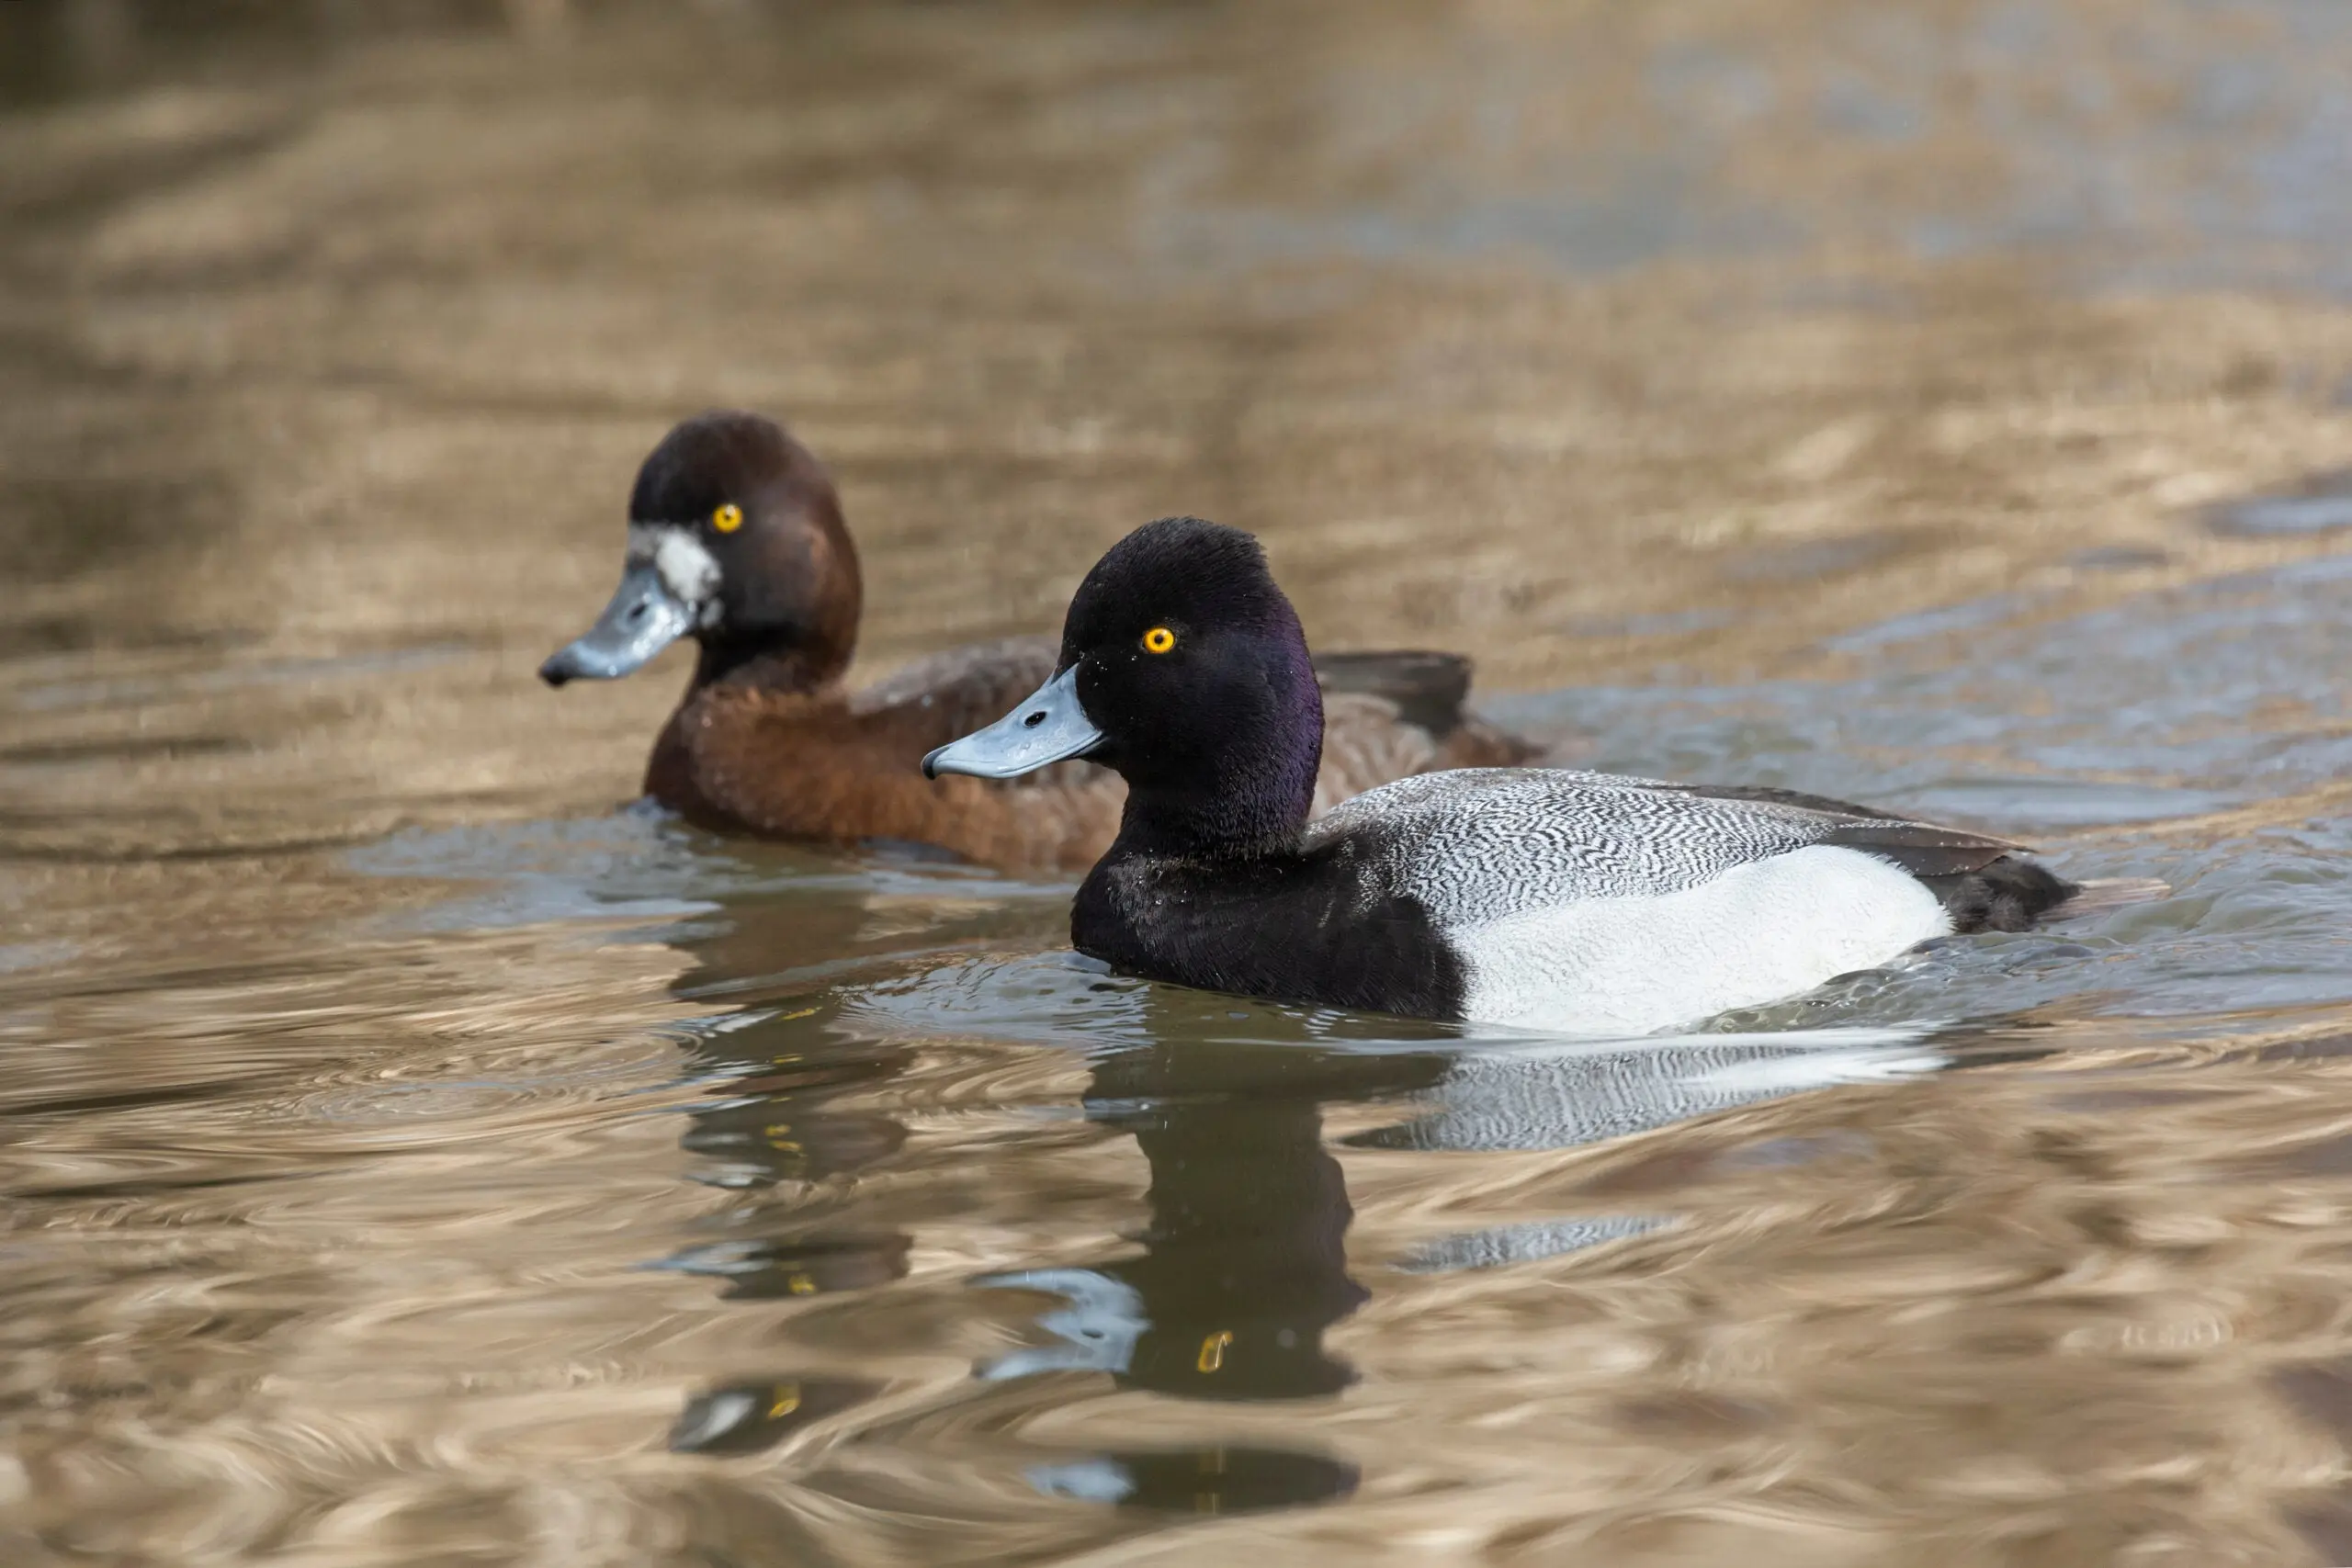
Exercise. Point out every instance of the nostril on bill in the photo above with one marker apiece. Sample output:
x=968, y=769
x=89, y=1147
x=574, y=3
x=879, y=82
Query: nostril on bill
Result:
x=1034, y=720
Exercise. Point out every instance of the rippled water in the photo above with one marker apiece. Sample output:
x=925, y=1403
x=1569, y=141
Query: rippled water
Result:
x=415, y=1156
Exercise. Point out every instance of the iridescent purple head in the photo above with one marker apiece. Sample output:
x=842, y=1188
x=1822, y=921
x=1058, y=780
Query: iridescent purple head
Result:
x=1183, y=667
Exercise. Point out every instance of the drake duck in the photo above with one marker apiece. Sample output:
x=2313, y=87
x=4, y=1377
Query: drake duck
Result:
x=1540, y=897
x=736, y=539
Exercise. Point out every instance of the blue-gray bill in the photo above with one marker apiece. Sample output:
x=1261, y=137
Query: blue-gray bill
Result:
x=643, y=618
x=1050, y=726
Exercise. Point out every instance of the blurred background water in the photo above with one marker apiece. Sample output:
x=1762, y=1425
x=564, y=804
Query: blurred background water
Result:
x=416, y=1155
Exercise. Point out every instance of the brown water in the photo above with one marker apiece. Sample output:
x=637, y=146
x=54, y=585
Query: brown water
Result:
x=416, y=1157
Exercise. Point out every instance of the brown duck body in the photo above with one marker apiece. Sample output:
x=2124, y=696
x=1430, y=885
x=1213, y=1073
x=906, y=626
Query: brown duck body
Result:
x=736, y=539
x=829, y=763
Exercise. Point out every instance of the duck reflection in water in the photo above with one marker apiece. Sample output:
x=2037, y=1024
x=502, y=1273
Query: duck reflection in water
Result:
x=792, y=1136
x=1245, y=1267
x=1211, y=1480
x=1245, y=1259
x=774, y=1121
x=776, y=1125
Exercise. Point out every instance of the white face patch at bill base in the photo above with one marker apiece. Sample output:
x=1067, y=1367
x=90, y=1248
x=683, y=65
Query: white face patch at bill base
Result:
x=687, y=569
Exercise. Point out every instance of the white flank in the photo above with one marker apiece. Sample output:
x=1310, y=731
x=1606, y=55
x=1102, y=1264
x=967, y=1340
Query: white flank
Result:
x=1760, y=932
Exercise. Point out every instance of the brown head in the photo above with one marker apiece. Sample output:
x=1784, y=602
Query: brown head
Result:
x=735, y=538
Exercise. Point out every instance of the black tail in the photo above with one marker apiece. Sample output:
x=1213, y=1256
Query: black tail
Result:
x=2006, y=895
x=1983, y=884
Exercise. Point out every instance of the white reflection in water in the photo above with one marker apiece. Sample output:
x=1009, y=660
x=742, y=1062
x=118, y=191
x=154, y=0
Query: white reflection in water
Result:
x=1558, y=1096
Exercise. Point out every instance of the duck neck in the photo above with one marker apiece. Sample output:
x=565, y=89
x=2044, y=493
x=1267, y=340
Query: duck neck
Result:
x=771, y=662
x=1163, y=826
x=1249, y=802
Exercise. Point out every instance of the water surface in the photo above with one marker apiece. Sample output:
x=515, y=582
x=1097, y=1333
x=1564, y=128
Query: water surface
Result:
x=418, y=1154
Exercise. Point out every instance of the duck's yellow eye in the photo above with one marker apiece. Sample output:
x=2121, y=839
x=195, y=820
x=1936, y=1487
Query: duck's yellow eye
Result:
x=1159, y=639
x=728, y=518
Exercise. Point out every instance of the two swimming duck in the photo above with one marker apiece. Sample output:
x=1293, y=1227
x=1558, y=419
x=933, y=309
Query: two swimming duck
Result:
x=736, y=540
x=1261, y=821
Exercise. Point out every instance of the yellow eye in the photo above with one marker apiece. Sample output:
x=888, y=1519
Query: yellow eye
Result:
x=728, y=518
x=1159, y=639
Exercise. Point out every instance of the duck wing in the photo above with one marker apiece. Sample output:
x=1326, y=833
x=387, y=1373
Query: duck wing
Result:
x=1475, y=845
x=1426, y=688
x=1924, y=849
x=1393, y=712
x=950, y=695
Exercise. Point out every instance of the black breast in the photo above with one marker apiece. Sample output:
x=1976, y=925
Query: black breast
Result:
x=1313, y=929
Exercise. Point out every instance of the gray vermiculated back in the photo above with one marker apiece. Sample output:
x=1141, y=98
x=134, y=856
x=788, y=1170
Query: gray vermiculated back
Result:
x=1481, y=844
